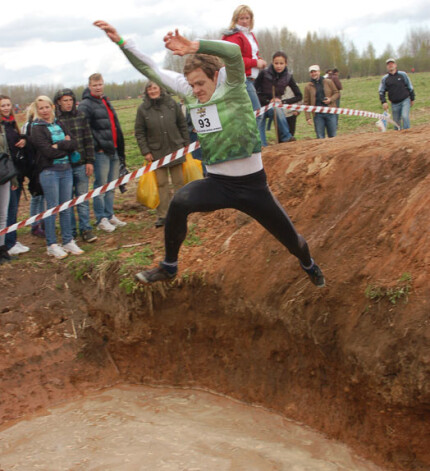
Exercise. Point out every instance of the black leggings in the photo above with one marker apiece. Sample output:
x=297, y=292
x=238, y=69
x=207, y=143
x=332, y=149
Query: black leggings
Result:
x=249, y=194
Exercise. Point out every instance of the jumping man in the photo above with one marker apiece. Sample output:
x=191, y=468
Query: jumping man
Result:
x=224, y=119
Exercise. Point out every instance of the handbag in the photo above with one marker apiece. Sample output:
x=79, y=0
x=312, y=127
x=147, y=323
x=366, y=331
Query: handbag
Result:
x=147, y=190
x=192, y=169
x=7, y=168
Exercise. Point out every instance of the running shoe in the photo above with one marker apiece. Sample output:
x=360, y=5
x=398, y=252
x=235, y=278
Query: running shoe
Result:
x=116, y=222
x=54, y=250
x=160, y=222
x=88, y=236
x=315, y=274
x=155, y=274
x=18, y=248
x=38, y=231
x=72, y=247
x=105, y=225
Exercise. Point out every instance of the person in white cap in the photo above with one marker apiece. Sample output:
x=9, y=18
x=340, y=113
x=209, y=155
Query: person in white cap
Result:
x=321, y=91
x=400, y=92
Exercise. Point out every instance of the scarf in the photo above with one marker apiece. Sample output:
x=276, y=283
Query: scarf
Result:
x=320, y=94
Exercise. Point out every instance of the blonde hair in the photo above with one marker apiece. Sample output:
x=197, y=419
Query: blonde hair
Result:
x=38, y=100
x=240, y=10
x=95, y=77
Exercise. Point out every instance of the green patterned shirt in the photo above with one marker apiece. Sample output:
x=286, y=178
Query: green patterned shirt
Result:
x=236, y=135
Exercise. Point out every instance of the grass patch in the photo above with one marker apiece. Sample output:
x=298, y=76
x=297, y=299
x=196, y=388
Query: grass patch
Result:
x=192, y=239
x=394, y=294
x=126, y=261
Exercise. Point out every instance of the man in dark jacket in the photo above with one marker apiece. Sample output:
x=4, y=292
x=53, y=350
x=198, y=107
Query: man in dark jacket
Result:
x=400, y=93
x=82, y=159
x=109, y=146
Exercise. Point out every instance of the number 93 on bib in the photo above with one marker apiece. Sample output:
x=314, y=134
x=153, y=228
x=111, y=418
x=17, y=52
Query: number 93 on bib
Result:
x=206, y=119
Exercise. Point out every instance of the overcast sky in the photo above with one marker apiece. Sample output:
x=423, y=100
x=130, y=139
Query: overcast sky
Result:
x=51, y=41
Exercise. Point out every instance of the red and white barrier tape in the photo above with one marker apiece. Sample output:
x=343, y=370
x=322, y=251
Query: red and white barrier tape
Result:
x=325, y=109
x=103, y=189
x=173, y=156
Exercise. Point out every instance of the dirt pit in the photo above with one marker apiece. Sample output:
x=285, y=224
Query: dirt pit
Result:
x=139, y=428
x=351, y=360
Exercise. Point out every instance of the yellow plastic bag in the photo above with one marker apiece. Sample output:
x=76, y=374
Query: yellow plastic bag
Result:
x=192, y=169
x=147, y=190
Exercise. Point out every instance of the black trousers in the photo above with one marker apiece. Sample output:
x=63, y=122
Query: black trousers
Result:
x=249, y=194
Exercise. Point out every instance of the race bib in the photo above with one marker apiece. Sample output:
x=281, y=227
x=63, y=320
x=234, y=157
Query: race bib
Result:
x=206, y=119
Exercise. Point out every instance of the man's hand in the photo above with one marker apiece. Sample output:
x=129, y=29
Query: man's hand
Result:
x=148, y=157
x=111, y=32
x=309, y=121
x=89, y=169
x=179, y=45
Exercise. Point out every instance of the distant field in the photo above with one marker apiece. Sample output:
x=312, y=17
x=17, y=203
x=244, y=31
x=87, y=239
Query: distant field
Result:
x=358, y=93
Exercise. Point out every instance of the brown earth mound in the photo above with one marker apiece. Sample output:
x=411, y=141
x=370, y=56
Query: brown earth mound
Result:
x=351, y=360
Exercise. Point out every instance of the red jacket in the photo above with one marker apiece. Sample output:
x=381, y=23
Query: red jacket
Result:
x=237, y=37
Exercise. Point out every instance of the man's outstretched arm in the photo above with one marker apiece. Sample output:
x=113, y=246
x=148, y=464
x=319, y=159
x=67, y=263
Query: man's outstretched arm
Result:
x=173, y=81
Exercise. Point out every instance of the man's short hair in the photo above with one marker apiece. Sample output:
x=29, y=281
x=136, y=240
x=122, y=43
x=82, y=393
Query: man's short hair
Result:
x=95, y=77
x=209, y=64
x=280, y=54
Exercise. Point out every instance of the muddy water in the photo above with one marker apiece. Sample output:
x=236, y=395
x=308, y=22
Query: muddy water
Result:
x=139, y=428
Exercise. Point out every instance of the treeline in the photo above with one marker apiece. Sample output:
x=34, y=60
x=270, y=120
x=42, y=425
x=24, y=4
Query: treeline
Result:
x=327, y=51
x=332, y=51
x=25, y=94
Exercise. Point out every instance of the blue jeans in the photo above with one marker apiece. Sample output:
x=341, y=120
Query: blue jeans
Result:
x=323, y=121
x=255, y=103
x=57, y=189
x=337, y=116
x=283, y=128
x=37, y=206
x=12, y=213
x=80, y=187
x=401, y=113
x=106, y=169
x=4, y=204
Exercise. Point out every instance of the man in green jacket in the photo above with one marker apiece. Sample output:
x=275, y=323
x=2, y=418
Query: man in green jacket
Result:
x=223, y=117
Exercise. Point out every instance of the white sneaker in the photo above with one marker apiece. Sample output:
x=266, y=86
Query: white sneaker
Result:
x=72, y=247
x=105, y=225
x=54, y=250
x=117, y=222
x=17, y=249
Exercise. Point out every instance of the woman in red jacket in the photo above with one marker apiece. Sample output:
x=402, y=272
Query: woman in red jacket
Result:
x=240, y=33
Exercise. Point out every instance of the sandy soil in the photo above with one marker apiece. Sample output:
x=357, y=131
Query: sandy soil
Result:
x=242, y=318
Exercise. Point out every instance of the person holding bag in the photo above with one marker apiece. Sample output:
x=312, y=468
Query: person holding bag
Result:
x=8, y=182
x=161, y=129
x=53, y=145
x=16, y=144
